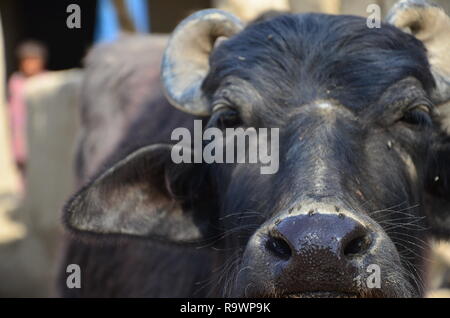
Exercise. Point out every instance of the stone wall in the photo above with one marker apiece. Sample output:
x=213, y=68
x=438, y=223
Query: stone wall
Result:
x=29, y=262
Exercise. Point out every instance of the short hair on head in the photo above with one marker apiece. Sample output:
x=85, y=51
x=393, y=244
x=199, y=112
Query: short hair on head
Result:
x=31, y=48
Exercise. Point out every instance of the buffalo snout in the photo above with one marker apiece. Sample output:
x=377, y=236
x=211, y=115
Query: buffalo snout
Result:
x=315, y=251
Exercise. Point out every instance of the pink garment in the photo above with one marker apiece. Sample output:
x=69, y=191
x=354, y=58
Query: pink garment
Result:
x=18, y=117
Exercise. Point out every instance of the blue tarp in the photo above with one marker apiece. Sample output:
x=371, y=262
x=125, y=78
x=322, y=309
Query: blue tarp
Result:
x=107, y=24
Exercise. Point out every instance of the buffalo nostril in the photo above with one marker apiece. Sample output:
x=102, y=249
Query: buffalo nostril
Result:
x=279, y=248
x=357, y=246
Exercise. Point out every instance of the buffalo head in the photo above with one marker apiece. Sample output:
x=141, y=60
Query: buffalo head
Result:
x=363, y=178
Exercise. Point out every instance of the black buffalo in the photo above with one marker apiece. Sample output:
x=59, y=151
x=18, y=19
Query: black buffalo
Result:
x=363, y=179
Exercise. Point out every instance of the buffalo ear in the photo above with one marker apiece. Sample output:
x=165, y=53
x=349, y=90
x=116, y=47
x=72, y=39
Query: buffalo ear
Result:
x=438, y=188
x=136, y=197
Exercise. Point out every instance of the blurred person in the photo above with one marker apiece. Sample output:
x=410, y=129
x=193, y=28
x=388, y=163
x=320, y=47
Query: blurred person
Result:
x=32, y=59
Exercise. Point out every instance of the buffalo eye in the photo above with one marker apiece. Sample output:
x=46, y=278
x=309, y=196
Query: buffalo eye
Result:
x=224, y=117
x=418, y=116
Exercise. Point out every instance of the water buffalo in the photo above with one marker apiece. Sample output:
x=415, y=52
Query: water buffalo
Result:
x=363, y=179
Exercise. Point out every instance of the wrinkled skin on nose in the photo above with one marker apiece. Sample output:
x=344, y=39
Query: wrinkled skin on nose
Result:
x=317, y=250
x=322, y=249
x=319, y=232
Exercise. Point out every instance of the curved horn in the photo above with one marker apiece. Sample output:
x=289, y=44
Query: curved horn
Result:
x=430, y=24
x=186, y=59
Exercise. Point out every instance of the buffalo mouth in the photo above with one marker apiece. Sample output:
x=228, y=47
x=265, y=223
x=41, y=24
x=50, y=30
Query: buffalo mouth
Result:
x=334, y=294
x=323, y=294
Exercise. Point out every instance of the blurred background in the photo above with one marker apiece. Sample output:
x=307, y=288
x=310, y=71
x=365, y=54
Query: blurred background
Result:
x=42, y=45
